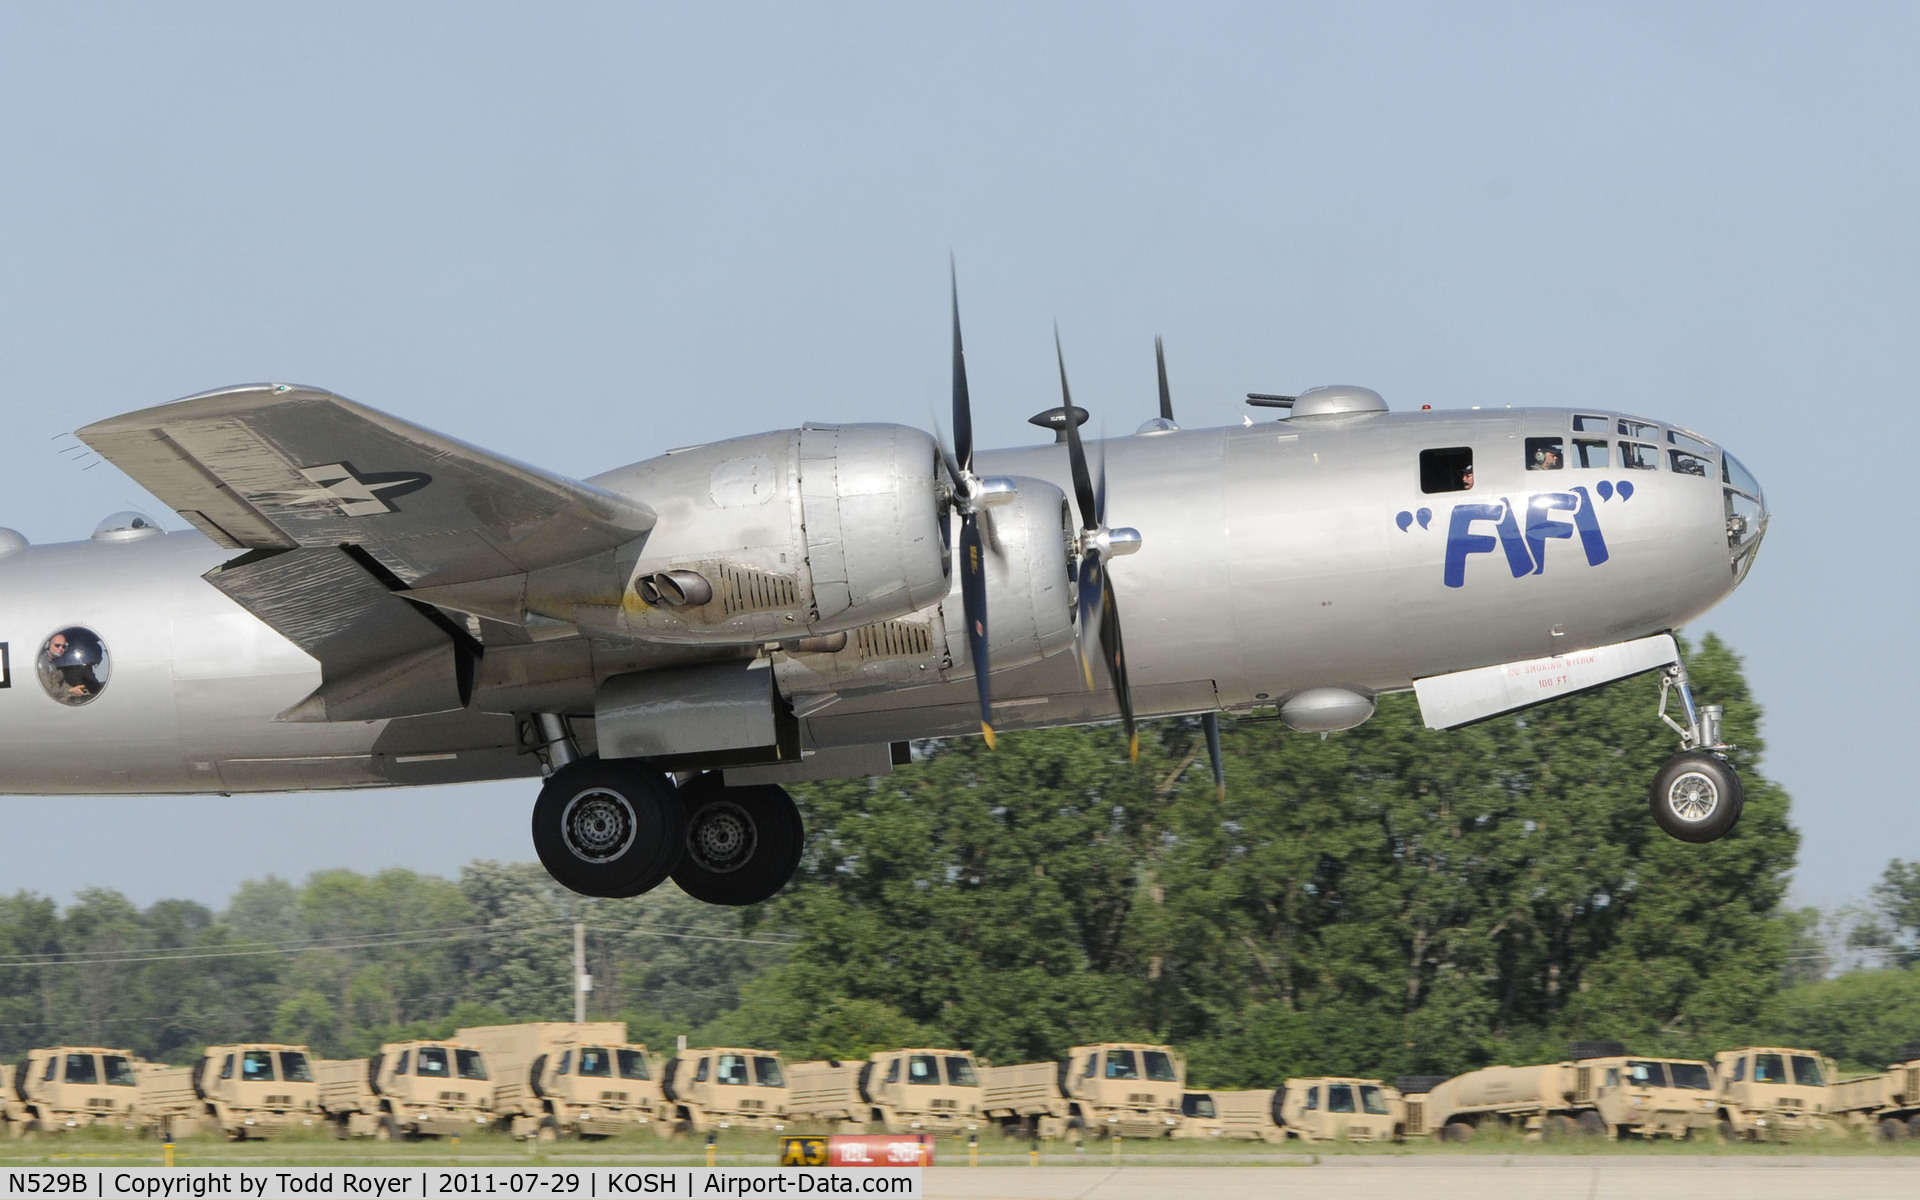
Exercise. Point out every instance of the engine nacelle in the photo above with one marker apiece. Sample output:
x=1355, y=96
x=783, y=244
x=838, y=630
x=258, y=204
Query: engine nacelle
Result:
x=1029, y=613
x=804, y=532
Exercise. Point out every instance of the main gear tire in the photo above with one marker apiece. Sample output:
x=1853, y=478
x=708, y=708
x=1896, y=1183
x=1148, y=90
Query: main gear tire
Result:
x=1696, y=796
x=742, y=844
x=608, y=828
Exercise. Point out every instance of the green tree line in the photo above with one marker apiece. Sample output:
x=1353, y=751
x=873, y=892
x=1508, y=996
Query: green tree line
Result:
x=1383, y=900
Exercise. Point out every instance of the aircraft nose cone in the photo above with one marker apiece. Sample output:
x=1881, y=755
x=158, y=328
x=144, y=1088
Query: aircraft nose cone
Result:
x=1747, y=515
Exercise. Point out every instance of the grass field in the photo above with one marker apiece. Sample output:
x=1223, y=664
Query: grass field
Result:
x=108, y=1148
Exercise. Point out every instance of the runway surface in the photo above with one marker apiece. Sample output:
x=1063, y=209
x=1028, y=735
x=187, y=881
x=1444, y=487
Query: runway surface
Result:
x=1435, y=1177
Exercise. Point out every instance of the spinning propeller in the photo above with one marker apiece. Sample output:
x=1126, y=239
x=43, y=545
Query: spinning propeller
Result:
x=1099, y=615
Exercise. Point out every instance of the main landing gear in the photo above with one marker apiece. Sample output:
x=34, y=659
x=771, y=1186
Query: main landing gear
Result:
x=619, y=827
x=1696, y=795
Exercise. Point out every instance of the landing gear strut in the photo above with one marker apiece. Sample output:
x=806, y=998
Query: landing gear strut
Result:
x=1696, y=795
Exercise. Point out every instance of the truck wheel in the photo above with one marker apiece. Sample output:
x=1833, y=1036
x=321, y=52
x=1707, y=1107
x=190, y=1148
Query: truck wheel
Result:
x=1592, y=1124
x=1892, y=1129
x=1560, y=1127
x=610, y=829
x=386, y=1130
x=1076, y=1131
x=549, y=1130
x=1457, y=1131
x=742, y=844
x=339, y=1129
x=1696, y=796
x=1913, y=1126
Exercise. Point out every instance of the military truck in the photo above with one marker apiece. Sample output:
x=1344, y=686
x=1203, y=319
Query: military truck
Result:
x=1114, y=1089
x=1771, y=1093
x=897, y=1091
x=1229, y=1116
x=72, y=1087
x=724, y=1087
x=410, y=1089
x=1888, y=1104
x=554, y=1079
x=1600, y=1091
x=1324, y=1109
x=257, y=1089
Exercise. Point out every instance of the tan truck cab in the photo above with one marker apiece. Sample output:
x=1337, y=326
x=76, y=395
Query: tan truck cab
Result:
x=255, y=1089
x=409, y=1089
x=554, y=1079
x=1114, y=1089
x=724, y=1087
x=1887, y=1104
x=1600, y=1091
x=1325, y=1109
x=69, y=1087
x=898, y=1091
x=1772, y=1093
x=1229, y=1116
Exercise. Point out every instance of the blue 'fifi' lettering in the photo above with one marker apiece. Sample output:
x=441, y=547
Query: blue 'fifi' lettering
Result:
x=1526, y=555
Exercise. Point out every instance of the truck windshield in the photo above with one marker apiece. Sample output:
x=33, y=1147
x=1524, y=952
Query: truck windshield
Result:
x=470, y=1063
x=1806, y=1071
x=1196, y=1105
x=1691, y=1075
x=1159, y=1066
x=1769, y=1068
x=293, y=1067
x=596, y=1062
x=1372, y=1100
x=923, y=1068
x=1120, y=1065
x=1340, y=1097
x=960, y=1072
x=119, y=1071
x=256, y=1066
x=730, y=1069
x=81, y=1069
x=633, y=1064
x=766, y=1071
x=1646, y=1074
x=432, y=1062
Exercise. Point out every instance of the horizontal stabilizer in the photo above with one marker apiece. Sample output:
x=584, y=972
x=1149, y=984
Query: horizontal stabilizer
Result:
x=1447, y=701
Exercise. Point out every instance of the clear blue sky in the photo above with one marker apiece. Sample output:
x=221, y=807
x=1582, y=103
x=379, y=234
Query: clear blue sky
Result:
x=586, y=233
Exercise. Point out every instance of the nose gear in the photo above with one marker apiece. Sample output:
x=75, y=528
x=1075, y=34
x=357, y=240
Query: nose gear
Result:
x=1696, y=795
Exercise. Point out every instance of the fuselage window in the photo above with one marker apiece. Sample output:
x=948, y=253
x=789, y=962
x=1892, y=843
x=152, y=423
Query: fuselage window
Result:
x=1448, y=470
x=74, y=665
x=1640, y=429
x=1686, y=463
x=1546, y=454
x=1590, y=454
x=1586, y=424
x=1636, y=457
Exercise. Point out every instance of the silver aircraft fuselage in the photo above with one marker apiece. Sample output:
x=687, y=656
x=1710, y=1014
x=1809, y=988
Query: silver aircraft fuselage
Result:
x=1275, y=557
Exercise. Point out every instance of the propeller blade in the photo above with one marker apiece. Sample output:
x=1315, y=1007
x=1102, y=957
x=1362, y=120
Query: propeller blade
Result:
x=973, y=601
x=946, y=456
x=962, y=405
x=1091, y=583
x=1166, y=394
x=1210, y=725
x=1076, y=453
x=1116, y=660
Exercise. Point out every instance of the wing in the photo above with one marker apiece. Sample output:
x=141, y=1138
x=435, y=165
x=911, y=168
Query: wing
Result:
x=342, y=508
x=275, y=467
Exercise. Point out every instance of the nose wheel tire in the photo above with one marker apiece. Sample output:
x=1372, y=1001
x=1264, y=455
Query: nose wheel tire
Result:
x=742, y=843
x=1696, y=796
x=608, y=828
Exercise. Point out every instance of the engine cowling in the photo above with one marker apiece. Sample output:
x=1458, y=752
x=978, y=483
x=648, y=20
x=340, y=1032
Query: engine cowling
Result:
x=799, y=533
x=1029, y=613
